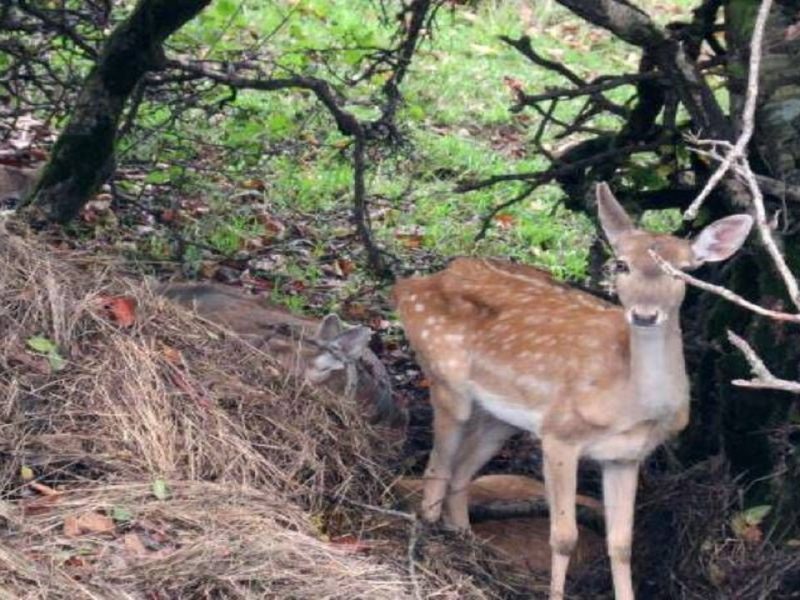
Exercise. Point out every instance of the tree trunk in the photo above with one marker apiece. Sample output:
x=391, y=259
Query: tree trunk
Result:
x=82, y=157
x=756, y=430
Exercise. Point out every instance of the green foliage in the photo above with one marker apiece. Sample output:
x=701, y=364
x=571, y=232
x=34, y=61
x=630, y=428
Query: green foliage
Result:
x=45, y=346
x=455, y=117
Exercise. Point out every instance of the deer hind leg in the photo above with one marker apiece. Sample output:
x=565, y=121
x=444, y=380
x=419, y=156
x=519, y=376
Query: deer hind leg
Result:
x=484, y=437
x=450, y=414
x=560, y=478
x=619, y=499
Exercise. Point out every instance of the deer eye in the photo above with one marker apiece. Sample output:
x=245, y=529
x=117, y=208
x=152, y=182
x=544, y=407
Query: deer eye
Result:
x=620, y=266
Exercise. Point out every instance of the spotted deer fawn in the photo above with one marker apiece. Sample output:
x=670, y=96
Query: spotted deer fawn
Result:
x=325, y=353
x=506, y=348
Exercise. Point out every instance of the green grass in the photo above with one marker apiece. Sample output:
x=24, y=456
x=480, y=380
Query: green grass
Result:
x=456, y=117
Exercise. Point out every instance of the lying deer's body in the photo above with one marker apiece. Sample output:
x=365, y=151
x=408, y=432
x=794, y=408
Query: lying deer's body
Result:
x=507, y=348
x=324, y=352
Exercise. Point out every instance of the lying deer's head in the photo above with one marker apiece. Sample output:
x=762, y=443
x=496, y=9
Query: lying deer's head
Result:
x=650, y=296
x=338, y=349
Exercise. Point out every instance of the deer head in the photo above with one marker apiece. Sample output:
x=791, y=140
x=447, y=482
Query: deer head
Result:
x=340, y=348
x=650, y=296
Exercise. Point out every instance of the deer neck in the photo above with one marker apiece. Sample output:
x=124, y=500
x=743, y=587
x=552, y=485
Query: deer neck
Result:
x=658, y=371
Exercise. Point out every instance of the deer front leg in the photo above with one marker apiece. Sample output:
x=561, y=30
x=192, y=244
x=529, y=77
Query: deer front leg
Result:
x=448, y=432
x=560, y=479
x=619, y=499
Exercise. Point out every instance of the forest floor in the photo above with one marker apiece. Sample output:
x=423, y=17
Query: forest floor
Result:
x=259, y=197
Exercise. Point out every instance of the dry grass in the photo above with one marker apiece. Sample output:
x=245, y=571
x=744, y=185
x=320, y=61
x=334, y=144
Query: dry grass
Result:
x=262, y=473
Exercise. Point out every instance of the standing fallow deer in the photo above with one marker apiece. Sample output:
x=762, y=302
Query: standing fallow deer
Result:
x=507, y=348
x=325, y=353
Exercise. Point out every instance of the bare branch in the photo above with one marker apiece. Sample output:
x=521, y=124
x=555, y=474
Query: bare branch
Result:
x=738, y=152
x=764, y=379
x=724, y=292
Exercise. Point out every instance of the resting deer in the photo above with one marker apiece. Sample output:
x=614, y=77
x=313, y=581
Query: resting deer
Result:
x=325, y=352
x=14, y=184
x=507, y=348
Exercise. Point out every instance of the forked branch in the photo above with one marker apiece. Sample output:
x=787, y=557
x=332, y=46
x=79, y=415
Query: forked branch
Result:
x=764, y=379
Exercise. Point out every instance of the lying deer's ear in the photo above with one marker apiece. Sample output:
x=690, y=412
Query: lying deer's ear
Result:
x=613, y=218
x=721, y=239
x=330, y=327
x=354, y=341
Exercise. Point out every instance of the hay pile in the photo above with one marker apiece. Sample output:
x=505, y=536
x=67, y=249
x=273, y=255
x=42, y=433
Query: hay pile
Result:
x=166, y=460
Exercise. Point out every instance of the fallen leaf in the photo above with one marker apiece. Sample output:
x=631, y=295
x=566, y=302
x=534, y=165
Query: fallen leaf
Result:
x=160, y=489
x=71, y=527
x=40, y=505
x=26, y=473
x=49, y=349
x=121, y=309
x=514, y=84
x=410, y=240
x=41, y=344
x=345, y=266
x=746, y=524
x=121, y=514
x=254, y=184
x=351, y=544
x=504, y=220
x=172, y=355
x=44, y=490
x=355, y=311
x=133, y=544
x=169, y=215
x=91, y=522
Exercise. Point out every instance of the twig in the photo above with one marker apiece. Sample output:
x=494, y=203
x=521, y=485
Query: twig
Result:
x=738, y=151
x=789, y=280
x=764, y=379
x=565, y=168
x=724, y=292
x=413, y=538
x=487, y=218
x=590, y=89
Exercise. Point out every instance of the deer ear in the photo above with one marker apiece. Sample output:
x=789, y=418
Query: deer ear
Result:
x=721, y=239
x=613, y=218
x=330, y=327
x=354, y=341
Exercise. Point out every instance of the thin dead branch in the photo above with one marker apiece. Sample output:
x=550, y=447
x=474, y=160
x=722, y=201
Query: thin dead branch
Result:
x=739, y=150
x=724, y=292
x=764, y=379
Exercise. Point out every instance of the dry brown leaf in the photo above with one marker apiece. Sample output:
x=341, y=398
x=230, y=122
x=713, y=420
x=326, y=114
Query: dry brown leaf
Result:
x=345, y=266
x=505, y=221
x=351, y=544
x=40, y=505
x=121, y=309
x=71, y=527
x=91, y=522
x=409, y=240
x=173, y=355
x=44, y=490
x=254, y=184
x=133, y=544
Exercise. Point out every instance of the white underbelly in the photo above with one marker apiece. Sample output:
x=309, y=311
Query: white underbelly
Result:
x=523, y=417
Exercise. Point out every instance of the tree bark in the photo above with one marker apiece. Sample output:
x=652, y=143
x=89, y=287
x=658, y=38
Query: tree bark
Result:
x=756, y=430
x=83, y=156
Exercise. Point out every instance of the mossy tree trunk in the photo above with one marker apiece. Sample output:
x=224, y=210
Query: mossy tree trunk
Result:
x=82, y=157
x=757, y=431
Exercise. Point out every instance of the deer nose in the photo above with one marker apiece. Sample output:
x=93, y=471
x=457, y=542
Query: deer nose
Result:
x=644, y=319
